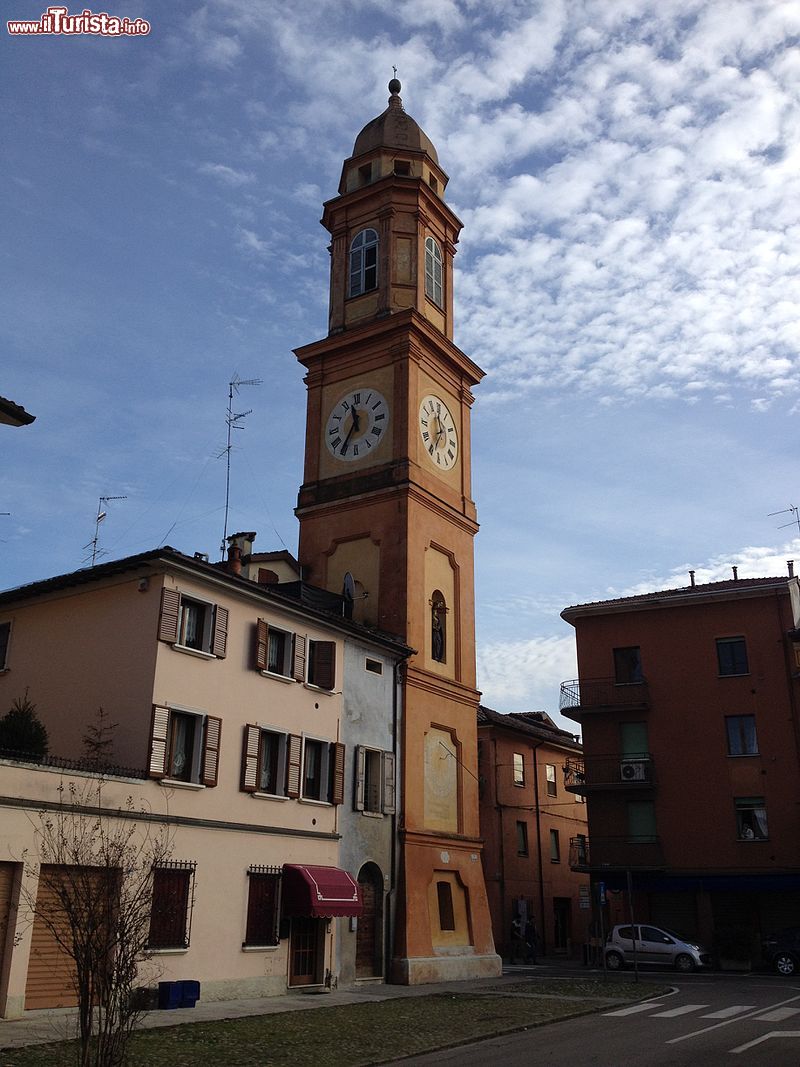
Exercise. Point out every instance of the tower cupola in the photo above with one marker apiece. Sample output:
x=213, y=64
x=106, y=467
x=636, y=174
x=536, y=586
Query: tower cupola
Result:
x=393, y=236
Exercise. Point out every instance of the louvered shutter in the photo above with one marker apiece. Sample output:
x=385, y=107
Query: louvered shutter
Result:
x=324, y=664
x=220, y=643
x=389, y=803
x=293, y=765
x=159, y=735
x=337, y=778
x=168, y=623
x=299, y=669
x=211, y=738
x=361, y=774
x=262, y=639
x=250, y=756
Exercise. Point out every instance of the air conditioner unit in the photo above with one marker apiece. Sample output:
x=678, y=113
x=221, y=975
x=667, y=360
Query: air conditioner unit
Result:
x=634, y=770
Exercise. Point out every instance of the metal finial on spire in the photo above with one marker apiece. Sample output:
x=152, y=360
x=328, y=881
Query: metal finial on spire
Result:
x=394, y=84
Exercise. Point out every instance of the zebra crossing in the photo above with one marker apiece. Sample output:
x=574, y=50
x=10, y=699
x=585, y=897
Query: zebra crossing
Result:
x=768, y=1014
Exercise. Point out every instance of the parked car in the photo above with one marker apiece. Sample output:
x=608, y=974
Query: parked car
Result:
x=655, y=946
x=782, y=951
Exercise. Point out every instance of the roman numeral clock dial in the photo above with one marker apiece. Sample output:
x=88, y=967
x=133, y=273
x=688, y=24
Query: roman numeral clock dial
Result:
x=356, y=425
x=438, y=432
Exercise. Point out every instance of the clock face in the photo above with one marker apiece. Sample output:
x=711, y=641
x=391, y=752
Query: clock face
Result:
x=439, y=435
x=357, y=424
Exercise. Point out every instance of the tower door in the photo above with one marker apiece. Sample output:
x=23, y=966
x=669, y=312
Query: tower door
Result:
x=306, y=951
x=368, y=941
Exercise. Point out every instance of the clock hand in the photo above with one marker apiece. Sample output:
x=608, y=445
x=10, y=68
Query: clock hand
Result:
x=354, y=425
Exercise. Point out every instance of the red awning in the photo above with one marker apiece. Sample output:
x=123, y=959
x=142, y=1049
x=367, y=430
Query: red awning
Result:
x=319, y=892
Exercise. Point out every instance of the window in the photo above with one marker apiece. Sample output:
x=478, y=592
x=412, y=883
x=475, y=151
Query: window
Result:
x=171, y=909
x=263, y=906
x=374, y=666
x=265, y=761
x=522, y=839
x=274, y=650
x=375, y=781
x=184, y=746
x=322, y=664
x=550, y=774
x=194, y=624
x=641, y=821
x=433, y=183
x=438, y=627
x=751, y=819
x=444, y=893
x=322, y=776
x=741, y=731
x=5, y=637
x=732, y=655
x=555, y=847
x=402, y=167
x=628, y=665
x=519, y=769
x=433, y=271
x=363, y=263
x=365, y=174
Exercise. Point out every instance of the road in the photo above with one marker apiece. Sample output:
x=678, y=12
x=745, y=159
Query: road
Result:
x=742, y=1020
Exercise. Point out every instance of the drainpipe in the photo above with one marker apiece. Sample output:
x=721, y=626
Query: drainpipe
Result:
x=542, y=935
x=391, y=917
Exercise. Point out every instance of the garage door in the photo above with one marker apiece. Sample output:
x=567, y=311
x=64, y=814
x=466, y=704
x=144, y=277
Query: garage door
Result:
x=50, y=970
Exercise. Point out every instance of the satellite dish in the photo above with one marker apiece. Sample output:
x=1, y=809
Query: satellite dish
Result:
x=348, y=586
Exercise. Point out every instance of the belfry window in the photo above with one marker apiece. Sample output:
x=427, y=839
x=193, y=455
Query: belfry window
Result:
x=363, y=263
x=438, y=627
x=433, y=271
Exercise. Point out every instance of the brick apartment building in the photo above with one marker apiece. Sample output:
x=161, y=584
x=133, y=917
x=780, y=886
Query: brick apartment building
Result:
x=688, y=702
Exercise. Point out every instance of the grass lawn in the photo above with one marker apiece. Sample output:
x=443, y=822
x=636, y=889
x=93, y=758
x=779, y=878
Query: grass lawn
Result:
x=351, y=1035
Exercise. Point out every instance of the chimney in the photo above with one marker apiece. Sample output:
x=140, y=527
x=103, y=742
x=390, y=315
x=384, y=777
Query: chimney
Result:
x=691, y=578
x=790, y=566
x=735, y=573
x=234, y=559
x=244, y=542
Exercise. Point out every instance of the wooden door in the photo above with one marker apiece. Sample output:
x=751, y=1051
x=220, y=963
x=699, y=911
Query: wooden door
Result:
x=369, y=926
x=305, y=952
x=50, y=970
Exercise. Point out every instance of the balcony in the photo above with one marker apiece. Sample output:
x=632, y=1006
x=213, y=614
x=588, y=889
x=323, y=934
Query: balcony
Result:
x=630, y=773
x=582, y=696
x=615, y=853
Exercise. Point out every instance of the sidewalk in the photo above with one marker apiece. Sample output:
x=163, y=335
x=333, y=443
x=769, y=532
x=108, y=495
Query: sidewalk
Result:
x=58, y=1024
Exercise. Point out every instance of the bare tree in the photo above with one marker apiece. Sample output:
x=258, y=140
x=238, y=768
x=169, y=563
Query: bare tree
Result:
x=94, y=896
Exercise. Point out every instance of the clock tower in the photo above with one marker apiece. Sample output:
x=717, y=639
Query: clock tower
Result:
x=386, y=508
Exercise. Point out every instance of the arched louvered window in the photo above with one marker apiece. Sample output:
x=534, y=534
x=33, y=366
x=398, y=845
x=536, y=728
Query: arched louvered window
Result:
x=363, y=263
x=433, y=271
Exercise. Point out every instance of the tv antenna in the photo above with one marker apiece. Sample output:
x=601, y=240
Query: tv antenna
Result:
x=233, y=420
x=792, y=510
x=101, y=514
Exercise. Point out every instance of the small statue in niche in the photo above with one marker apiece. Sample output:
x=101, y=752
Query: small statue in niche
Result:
x=438, y=620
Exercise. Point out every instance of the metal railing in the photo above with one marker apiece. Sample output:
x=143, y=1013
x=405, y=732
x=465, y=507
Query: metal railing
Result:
x=598, y=693
x=609, y=772
x=63, y=763
x=617, y=853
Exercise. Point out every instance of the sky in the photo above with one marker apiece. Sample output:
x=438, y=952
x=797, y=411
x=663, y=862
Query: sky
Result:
x=628, y=277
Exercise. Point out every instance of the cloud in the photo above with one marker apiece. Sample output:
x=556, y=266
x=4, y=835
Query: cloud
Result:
x=525, y=675
x=227, y=175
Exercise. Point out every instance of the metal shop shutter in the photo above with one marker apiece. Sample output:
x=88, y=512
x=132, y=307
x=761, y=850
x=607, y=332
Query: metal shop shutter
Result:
x=50, y=971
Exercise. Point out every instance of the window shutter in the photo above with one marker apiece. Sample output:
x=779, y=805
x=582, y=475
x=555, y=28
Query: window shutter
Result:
x=211, y=738
x=295, y=752
x=361, y=774
x=262, y=637
x=324, y=664
x=168, y=623
x=250, y=755
x=159, y=733
x=220, y=643
x=389, y=803
x=299, y=670
x=337, y=779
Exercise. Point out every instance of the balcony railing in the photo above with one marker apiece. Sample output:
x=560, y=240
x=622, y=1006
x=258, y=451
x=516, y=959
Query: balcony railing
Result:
x=602, y=694
x=609, y=772
x=615, y=853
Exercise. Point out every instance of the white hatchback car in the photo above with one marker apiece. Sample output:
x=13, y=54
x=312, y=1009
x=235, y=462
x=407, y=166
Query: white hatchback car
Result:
x=653, y=946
